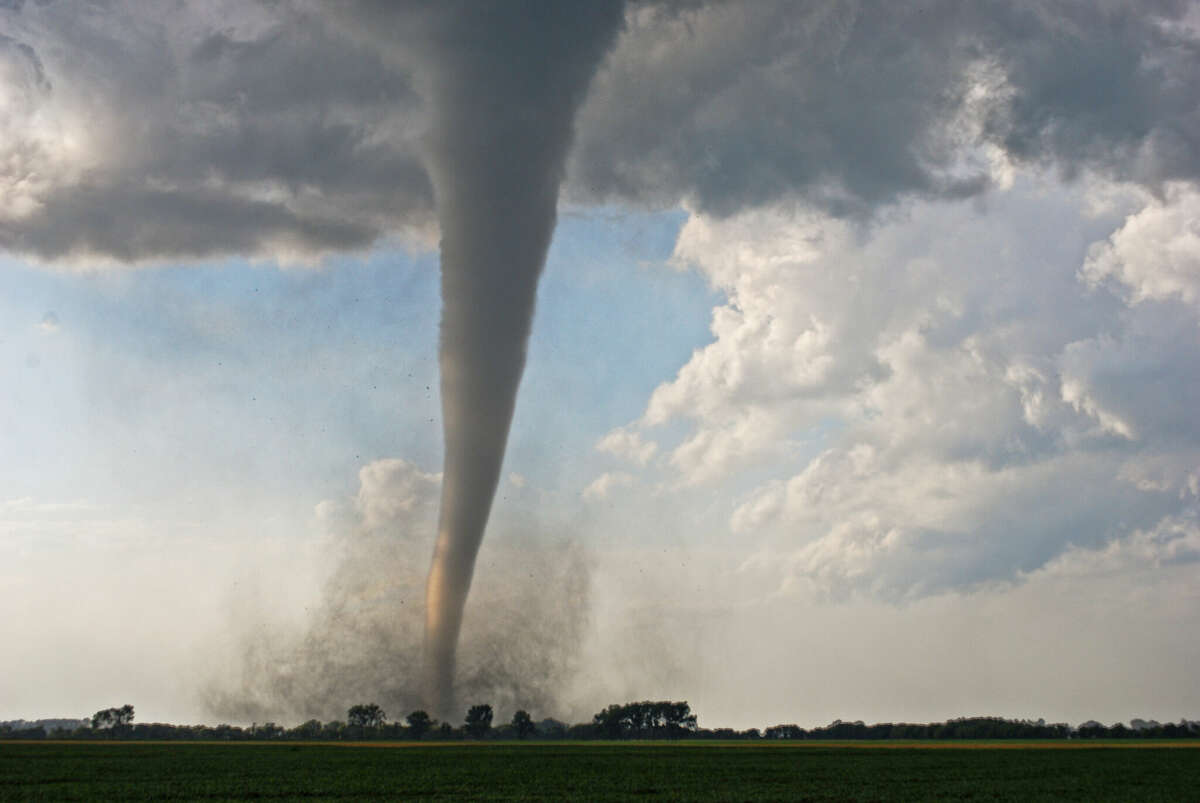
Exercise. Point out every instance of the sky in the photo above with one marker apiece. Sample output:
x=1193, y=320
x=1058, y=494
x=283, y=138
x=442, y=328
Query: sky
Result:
x=861, y=384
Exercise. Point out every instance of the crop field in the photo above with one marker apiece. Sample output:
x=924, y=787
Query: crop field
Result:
x=611, y=771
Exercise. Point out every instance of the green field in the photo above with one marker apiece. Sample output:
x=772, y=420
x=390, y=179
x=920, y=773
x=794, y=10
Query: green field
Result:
x=552, y=771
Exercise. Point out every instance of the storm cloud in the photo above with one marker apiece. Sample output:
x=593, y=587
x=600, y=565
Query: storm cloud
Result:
x=850, y=105
x=292, y=130
x=202, y=131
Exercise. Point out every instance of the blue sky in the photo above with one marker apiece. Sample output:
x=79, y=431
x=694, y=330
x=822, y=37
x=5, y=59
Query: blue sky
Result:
x=289, y=379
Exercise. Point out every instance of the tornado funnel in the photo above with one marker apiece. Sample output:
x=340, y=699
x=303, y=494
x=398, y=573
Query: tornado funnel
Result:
x=505, y=87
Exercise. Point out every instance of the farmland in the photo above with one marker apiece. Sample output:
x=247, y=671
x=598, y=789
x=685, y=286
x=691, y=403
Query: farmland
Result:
x=665, y=771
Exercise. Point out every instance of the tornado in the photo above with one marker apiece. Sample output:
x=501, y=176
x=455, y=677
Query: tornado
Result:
x=506, y=83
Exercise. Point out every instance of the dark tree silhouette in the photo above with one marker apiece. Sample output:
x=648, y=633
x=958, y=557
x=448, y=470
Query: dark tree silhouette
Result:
x=655, y=720
x=644, y=720
x=479, y=721
x=114, y=719
x=366, y=716
x=419, y=724
x=308, y=730
x=522, y=724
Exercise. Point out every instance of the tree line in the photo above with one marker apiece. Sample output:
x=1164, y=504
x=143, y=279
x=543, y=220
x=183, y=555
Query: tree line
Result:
x=636, y=720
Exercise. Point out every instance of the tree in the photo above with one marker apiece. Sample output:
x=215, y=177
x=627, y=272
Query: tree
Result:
x=307, y=730
x=646, y=720
x=522, y=723
x=479, y=721
x=113, y=718
x=786, y=732
x=268, y=730
x=419, y=724
x=366, y=716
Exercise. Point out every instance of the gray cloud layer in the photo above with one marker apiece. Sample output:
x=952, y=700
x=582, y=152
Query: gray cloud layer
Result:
x=138, y=132
x=850, y=105
x=199, y=131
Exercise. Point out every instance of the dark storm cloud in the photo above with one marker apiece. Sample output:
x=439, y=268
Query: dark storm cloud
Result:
x=202, y=131
x=850, y=105
x=133, y=222
x=318, y=111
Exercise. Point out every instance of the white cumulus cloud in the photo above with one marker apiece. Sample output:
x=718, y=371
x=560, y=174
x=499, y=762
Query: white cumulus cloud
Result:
x=1156, y=253
x=628, y=444
x=605, y=483
x=939, y=401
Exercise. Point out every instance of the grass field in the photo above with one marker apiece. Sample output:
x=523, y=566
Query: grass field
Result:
x=552, y=771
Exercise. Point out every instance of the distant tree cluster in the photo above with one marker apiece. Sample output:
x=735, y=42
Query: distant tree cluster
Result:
x=366, y=716
x=114, y=719
x=645, y=720
x=988, y=728
x=640, y=720
x=966, y=728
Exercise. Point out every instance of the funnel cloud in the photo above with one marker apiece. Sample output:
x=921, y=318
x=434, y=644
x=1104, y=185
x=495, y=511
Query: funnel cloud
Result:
x=506, y=82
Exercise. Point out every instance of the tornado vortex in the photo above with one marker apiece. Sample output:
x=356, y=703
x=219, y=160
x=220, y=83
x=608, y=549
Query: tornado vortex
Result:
x=505, y=87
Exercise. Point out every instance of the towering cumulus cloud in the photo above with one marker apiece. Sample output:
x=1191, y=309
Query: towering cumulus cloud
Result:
x=506, y=80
